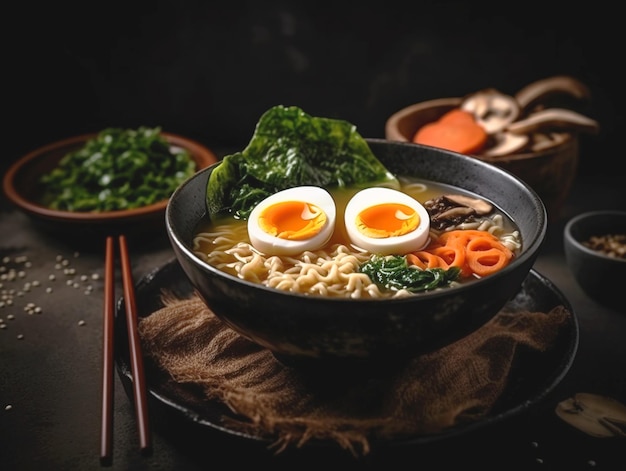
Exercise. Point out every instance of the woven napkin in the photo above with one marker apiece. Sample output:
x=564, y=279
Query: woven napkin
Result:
x=427, y=394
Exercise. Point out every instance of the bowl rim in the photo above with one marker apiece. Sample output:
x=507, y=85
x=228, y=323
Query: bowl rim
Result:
x=202, y=155
x=392, y=133
x=578, y=245
x=532, y=249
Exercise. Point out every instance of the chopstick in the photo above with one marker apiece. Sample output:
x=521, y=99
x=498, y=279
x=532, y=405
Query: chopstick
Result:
x=107, y=350
x=136, y=357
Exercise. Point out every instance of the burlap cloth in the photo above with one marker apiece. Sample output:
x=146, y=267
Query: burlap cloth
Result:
x=426, y=395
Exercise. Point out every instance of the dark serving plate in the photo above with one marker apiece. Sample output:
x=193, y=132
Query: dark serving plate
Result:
x=527, y=388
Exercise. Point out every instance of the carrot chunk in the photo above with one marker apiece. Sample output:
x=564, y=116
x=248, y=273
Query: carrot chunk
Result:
x=457, y=130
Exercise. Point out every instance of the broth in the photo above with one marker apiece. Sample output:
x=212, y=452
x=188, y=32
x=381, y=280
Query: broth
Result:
x=332, y=270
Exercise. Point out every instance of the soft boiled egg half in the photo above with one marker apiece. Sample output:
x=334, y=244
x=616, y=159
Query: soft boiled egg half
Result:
x=386, y=221
x=292, y=221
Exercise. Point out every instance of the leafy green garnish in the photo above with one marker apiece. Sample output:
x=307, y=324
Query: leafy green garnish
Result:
x=393, y=272
x=291, y=148
x=118, y=169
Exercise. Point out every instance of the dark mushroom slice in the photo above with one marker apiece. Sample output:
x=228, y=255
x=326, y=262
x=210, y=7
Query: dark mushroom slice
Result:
x=481, y=206
x=451, y=210
x=505, y=143
x=454, y=213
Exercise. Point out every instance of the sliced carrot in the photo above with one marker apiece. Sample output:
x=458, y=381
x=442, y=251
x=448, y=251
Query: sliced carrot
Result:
x=425, y=259
x=486, y=256
x=456, y=130
x=453, y=255
x=474, y=252
x=413, y=259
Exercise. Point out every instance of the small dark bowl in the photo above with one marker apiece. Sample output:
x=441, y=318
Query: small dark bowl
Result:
x=22, y=188
x=299, y=327
x=601, y=277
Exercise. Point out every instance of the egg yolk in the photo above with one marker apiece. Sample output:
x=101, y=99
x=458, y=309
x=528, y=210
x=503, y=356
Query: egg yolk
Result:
x=292, y=220
x=387, y=220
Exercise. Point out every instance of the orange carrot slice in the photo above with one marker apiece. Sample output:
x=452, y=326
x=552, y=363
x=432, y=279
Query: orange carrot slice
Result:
x=456, y=130
x=486, y=256
x=475, y=252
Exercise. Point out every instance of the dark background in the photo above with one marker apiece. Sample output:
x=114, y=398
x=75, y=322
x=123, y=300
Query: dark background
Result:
x=208, y=70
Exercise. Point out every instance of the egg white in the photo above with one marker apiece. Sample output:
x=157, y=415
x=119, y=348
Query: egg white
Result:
x=398, y=245
x=273, y=245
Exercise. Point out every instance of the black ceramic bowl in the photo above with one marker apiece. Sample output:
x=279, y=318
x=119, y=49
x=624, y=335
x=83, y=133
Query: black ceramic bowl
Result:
x=601, y=276
x=300, y=327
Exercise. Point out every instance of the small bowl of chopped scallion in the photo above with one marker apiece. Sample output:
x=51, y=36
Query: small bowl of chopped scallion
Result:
x=114, y=181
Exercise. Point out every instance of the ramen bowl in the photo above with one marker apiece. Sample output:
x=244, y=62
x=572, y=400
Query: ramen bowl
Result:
x=300, y=328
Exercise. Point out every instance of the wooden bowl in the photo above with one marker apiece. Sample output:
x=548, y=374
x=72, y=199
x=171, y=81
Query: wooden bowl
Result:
x=21, y=186
x=549, y=172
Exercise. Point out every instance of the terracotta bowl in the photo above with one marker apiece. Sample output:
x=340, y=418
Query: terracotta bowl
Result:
x=21, y=186
x=299, y=327
x=550, y=172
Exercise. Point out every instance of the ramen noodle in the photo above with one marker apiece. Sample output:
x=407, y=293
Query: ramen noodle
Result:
x=334, y=269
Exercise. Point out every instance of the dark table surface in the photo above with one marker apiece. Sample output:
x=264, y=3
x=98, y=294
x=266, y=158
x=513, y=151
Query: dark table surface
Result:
x=50, y=374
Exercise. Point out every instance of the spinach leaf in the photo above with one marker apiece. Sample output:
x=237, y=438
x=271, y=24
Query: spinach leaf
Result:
x=393, y=272
x=291, y=148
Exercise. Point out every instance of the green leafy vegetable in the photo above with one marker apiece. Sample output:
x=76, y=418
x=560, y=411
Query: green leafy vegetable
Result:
x=291, y=148
x=393, y=272
x=118, y=169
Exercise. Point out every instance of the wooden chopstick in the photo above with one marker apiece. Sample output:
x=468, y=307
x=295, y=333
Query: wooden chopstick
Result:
x=107, y=358
x=136, y=357
x=134, y=344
